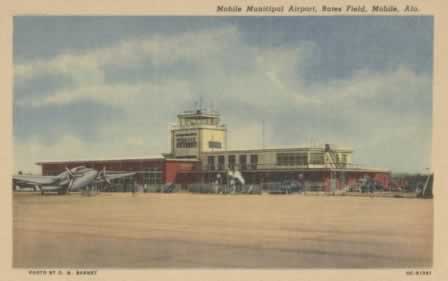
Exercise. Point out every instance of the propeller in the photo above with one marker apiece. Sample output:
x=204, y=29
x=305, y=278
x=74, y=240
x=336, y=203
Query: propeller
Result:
x=103, y=176
x=70, y=184
x=70, y=174
x=70, y=177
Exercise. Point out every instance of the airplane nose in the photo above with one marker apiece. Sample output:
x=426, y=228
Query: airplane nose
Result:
x=87, y=179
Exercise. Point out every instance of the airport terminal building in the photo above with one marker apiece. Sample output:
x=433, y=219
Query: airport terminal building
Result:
x=199, y=154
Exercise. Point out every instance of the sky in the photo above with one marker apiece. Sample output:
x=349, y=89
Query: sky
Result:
x=110, y=86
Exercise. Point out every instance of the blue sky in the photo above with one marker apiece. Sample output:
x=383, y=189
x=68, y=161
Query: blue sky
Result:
x=99, y=87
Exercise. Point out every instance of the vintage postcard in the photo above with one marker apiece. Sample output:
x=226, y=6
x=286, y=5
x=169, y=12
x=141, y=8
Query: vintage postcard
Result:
x=225, y=140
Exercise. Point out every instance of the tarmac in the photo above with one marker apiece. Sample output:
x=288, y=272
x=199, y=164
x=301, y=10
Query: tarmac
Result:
x=182, y=230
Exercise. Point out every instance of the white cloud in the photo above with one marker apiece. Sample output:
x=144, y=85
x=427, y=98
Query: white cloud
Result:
x=118, y=94
x=208, y=51
x=27, y=153
x=223, y=68
x=67, y=147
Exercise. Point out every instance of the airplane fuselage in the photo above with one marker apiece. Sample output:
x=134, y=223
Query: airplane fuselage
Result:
x=87, y=178
x=76, y=179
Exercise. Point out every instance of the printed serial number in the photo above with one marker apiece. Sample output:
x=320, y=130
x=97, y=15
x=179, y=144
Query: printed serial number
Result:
x=418, y=272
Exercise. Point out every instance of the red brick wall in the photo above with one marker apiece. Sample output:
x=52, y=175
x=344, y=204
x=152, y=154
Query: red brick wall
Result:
x=383, y=178
x=174, y=167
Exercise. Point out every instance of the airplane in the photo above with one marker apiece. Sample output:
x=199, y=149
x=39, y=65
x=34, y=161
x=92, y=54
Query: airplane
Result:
x=76, y=178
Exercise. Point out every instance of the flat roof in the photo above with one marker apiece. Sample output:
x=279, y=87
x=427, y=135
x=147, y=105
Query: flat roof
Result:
x=199, y=113
x=281, y=148
x=182, y=159
x=298, y=170
x=153, y=157
x=143, y=158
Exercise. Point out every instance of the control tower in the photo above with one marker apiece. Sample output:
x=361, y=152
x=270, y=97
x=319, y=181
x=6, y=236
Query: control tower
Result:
x=196, y=132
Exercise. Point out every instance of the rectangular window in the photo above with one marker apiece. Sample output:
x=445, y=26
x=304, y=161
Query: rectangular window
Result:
x=243, y=162
x=253, y=161
x=317, y=158
x=214, y=144
x=221, y=161
x=152, y=177
x=211, y=162
x=232, y=162
x=292, y=159
x=186, y=142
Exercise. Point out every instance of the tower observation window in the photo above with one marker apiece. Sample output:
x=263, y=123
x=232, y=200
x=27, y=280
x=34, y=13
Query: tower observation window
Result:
x=214, y=144
x=186, y=142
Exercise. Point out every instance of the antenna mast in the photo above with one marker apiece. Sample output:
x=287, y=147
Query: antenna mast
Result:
x=262, y=134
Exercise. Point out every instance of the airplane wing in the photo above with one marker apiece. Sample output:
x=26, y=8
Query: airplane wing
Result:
x=36, y=180
x=110, y=177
